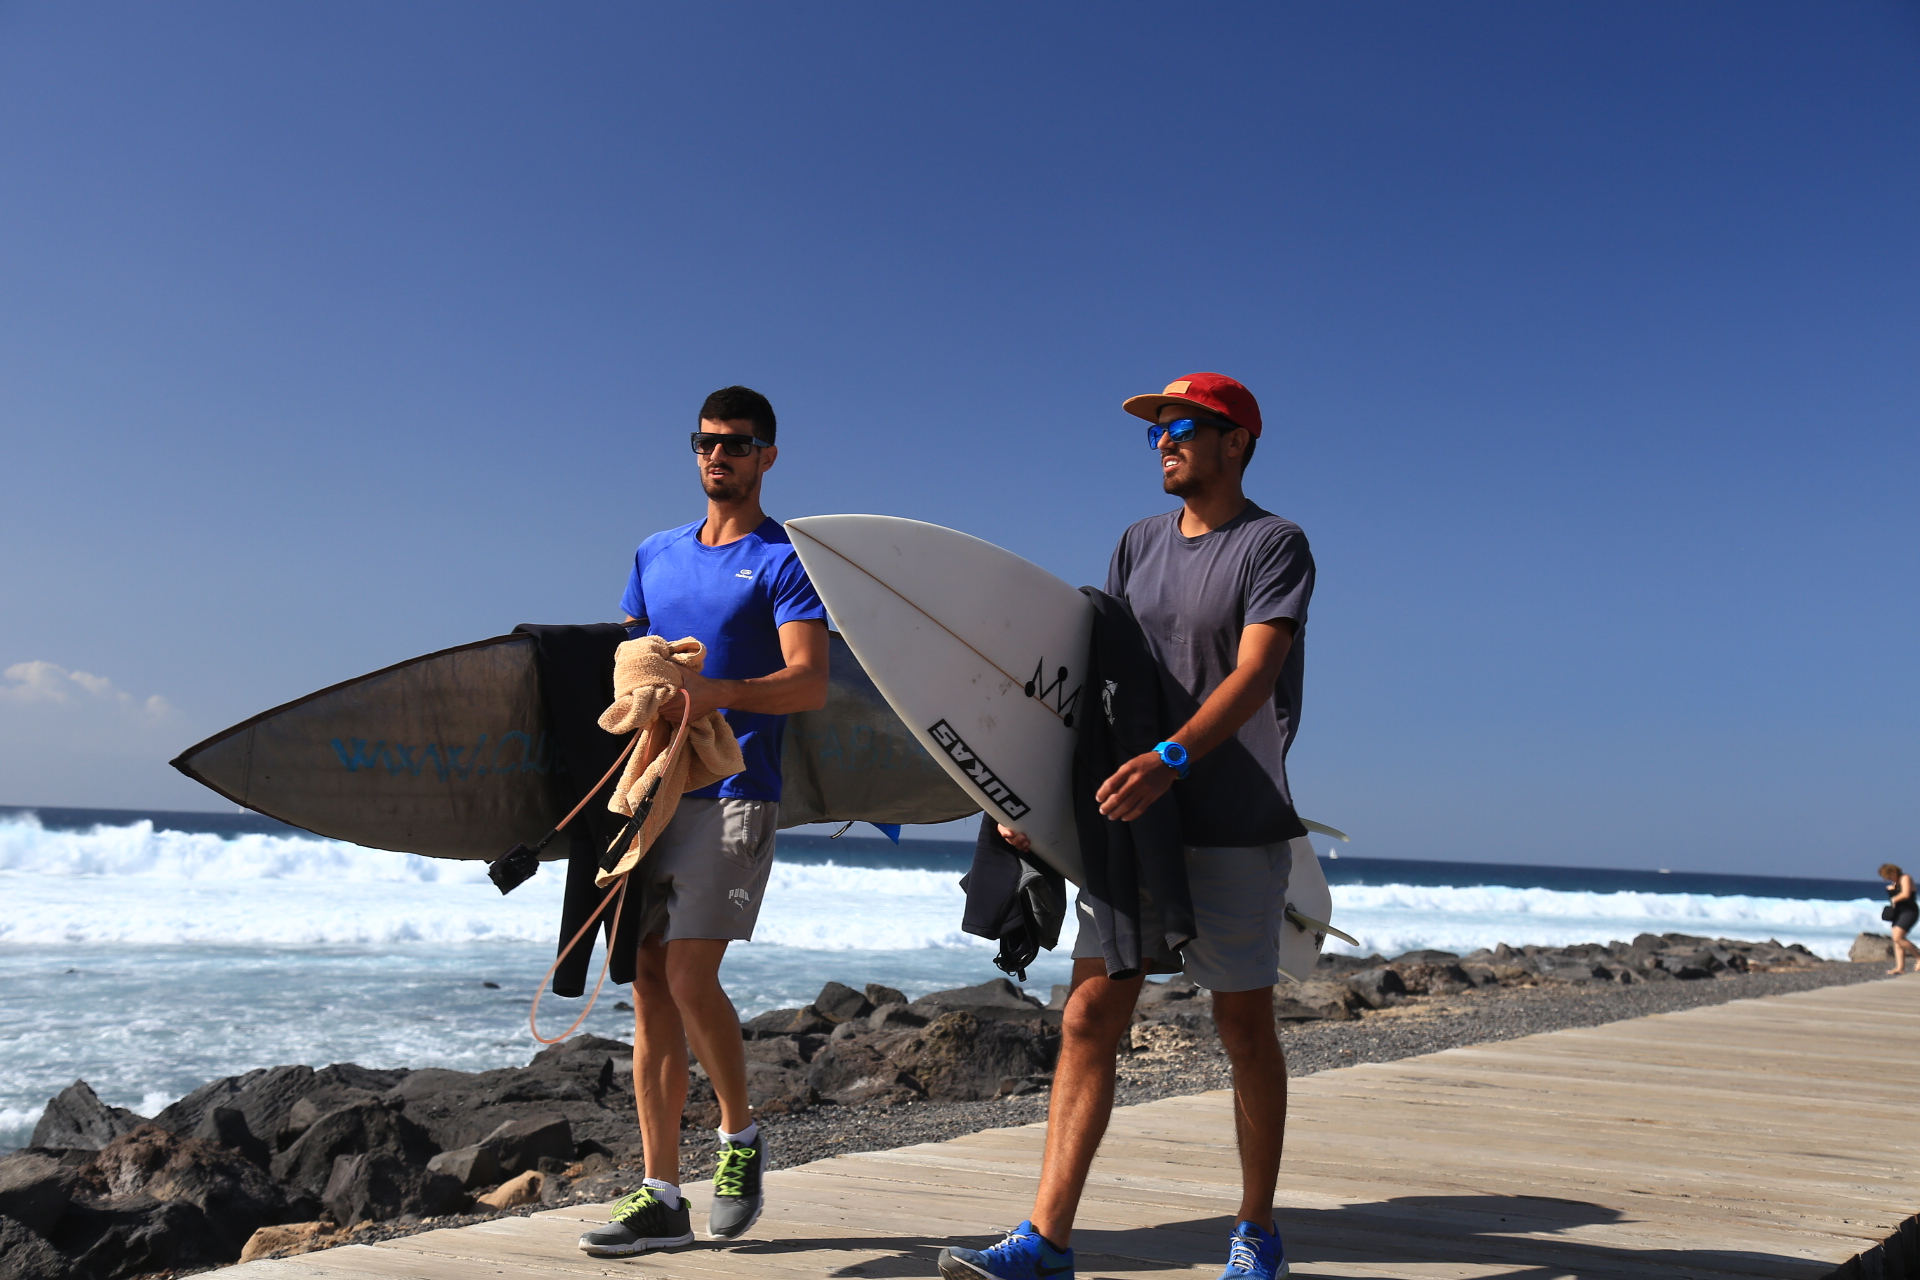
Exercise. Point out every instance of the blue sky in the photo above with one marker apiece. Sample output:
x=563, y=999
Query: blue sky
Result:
x=1586, y=337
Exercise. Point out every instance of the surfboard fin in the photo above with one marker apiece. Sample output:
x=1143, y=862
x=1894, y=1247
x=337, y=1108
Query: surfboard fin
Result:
x=1307, y=924
x=1325, y=830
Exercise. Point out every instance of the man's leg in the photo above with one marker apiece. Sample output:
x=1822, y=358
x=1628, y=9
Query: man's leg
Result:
x=711, y=1026
x=1239, y=895
x=659, y=1062
x=1245, y=1022
x=706, y=875
x=646, y=1220
x=1098, y=1013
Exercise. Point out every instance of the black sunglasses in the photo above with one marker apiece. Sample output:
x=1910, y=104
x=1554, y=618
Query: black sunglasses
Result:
x=731, y=445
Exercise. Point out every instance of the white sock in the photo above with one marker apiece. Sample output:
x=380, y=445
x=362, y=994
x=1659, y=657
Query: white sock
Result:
x=743, y=1138
x=668, y=1193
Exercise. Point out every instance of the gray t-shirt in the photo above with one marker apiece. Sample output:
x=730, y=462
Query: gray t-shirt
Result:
x=1193, y=596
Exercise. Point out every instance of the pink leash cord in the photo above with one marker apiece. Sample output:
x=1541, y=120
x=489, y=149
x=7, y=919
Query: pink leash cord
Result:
x=618, y=887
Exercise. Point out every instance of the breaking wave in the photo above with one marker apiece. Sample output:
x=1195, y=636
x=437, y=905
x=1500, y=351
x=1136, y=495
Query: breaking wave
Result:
x=135, y=885
x=138, y=851
x=1394, y=918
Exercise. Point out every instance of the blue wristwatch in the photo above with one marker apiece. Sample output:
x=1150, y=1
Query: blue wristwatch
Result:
x=1174, y=756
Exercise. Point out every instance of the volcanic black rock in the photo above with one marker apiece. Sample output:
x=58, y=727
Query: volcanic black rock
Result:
x=25, y=1254
x=518, y=1145
x=376, y=1186
x=960, y=1057
x=1379, y=987
x=307, y=1165
x=839, y=1003
x=474, y=1166
x=235, y=1194
x=132, y=1235
x=76, y=1117
x=858, y=1070
x=34, y=1189
x=996, y=1000
x=880, y=996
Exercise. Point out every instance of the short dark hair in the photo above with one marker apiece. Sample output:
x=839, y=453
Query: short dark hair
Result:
x=729, y=403
x=1247, y=457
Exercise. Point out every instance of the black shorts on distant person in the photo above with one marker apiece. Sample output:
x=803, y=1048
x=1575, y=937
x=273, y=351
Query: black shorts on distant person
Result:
x=1906, y=917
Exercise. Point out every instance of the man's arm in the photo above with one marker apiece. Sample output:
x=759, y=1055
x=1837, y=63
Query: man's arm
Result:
x=801, y=685
x=1136, y=784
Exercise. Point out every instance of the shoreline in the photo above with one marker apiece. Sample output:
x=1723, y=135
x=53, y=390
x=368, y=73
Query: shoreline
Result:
x=848, y=1073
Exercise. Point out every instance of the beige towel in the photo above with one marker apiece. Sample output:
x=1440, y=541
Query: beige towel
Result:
x=647, y=677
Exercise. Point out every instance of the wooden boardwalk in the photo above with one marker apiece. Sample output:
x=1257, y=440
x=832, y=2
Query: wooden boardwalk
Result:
x=1767, y=1137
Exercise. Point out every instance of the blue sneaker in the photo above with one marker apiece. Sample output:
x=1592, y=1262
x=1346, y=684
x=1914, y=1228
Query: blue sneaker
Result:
x=1253, y=1254
x=1023, y=1255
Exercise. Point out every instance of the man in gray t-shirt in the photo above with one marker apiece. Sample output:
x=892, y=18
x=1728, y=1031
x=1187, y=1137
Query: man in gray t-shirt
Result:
x=1220, y=588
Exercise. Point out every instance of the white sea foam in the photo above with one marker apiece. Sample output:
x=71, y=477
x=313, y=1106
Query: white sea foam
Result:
x=1394, y=918
x=138, y=851
x=134, y=885
x=16, y=1123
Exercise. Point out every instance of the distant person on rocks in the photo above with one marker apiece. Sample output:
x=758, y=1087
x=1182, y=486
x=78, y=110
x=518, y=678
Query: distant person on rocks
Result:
x=733, y=582
x=1220, y=589
x=1904, y=912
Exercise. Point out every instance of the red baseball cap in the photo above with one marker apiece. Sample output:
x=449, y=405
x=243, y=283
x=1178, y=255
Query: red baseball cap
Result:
x=1213, y=393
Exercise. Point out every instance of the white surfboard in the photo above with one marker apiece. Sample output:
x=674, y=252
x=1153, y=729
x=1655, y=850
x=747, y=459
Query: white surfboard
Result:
x=982, y=655
x=980, y=652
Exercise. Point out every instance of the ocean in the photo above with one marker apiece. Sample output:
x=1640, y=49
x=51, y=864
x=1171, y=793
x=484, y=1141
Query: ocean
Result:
x=148, y=953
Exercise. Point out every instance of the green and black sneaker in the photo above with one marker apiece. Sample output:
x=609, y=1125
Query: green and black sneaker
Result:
x=737, y=1200
x=641, y=1223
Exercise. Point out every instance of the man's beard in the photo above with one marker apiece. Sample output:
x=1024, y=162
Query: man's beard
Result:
x=730, y=488
x=1181, y=484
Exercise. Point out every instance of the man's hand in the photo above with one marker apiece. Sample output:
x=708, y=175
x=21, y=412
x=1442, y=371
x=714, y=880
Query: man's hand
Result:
x=707, y=695
x=1015, y=838
x=801, y=685
x=1136, y=784
x=1134, y=787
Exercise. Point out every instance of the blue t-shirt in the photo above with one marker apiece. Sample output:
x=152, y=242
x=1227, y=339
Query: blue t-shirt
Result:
x=734, y=600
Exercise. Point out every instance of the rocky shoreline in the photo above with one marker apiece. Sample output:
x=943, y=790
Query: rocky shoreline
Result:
x=289, y=1159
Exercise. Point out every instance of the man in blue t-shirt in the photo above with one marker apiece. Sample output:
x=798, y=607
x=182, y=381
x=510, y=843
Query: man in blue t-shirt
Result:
x=732, y=582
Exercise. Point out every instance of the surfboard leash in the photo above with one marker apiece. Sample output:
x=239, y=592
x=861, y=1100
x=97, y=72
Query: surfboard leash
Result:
x=616, y=890
x=516, y=866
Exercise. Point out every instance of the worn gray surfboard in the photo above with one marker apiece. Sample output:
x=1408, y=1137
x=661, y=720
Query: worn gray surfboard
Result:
x=450, y=755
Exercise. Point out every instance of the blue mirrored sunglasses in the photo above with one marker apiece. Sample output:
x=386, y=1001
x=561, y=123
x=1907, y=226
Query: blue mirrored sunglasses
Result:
x=1181, y=430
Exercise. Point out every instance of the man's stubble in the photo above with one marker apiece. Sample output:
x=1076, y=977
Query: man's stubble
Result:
x=729, y=490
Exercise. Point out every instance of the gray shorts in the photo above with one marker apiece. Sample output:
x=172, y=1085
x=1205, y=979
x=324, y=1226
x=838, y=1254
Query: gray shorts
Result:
x=1239, y=904
x=707, y=872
